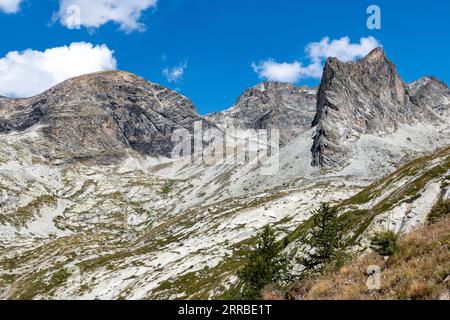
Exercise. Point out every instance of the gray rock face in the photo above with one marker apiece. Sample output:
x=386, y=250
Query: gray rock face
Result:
x=100, y=116
x=432, y=92
x=363, y=97
x=18, y=115
x=282, y=106
x=104, y=116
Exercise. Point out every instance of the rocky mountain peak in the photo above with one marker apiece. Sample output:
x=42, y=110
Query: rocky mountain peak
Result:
x=432, y=92
x=276, y=86
x=376, y=54
x=277, y=105
x=167, y=221
x=363, y=97
x=102, y=116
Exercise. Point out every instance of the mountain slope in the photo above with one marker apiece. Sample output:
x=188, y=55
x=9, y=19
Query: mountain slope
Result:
x=197, y=253
x=419, y=270
x=102, y=117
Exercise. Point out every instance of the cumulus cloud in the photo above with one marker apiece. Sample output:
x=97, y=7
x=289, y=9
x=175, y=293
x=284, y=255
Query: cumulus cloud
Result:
x=30, y=72
x=90, y=14
x=175, y=74
x=285, y=72
x=10, y=6
x=316, y=53
x=341, y=48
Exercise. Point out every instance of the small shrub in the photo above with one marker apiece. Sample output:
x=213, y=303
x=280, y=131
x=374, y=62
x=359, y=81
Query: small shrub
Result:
x=384, y=243
x=167, y=188
x=439, y=211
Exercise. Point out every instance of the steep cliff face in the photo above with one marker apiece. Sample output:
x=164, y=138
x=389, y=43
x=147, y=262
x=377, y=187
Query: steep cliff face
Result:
x=102, y=116
x=363, y=97
x=282, y=106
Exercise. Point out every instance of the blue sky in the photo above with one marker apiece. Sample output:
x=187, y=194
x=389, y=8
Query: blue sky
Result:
x=215, y=42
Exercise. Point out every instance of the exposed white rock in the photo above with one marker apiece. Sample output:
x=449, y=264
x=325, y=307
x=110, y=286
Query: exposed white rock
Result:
x=407, y=216
x=139, y=225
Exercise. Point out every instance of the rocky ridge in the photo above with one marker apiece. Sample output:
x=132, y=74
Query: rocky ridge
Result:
x=432, y=92
x=281, y=106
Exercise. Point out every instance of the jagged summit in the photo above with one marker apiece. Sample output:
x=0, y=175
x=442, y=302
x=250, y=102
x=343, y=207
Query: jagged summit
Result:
x=432, y=92
x=363, y=97
x=101, y=115
x=277, y=85
x=376, y=54
x=278, y=105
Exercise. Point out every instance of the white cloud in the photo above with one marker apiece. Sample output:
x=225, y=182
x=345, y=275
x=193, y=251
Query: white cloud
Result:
x=10, y=6
x=341, y=48
x=91, y=14
x=317, y=53
x=175, y=74
x=27, y=73
x=285, y=72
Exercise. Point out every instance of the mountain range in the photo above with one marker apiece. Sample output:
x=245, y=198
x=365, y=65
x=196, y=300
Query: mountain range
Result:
x=92, y=205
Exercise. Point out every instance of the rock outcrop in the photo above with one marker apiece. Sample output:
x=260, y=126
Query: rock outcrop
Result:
x=432, y=92
x=363, y=97
x=102, y=116
x=271, y=105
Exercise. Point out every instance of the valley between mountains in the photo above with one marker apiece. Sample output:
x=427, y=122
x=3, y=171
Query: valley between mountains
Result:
x=92, y=206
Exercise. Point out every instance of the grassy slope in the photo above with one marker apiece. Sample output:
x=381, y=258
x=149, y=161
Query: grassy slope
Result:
x=419, y=270
x=421, y=267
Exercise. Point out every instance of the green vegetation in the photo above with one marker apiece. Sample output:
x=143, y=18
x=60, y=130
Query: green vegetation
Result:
x=418, y=270
x=22, y=215
x=39, y=285
x=325, y=243
x=59, y=277
x=167, y=188
x=384, y=243
x=425, y=278
x=442, y=208
x=264, y=265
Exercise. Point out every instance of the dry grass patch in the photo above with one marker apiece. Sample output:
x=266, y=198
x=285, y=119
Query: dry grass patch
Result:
x=418, y=271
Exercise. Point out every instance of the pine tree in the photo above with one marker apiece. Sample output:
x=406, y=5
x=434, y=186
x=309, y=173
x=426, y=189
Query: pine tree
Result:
x=384, y=243
x=265, y=264
x=326, y=241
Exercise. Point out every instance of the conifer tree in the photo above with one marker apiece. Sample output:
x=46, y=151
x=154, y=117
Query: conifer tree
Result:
x=326, y=244
x=265, y=264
